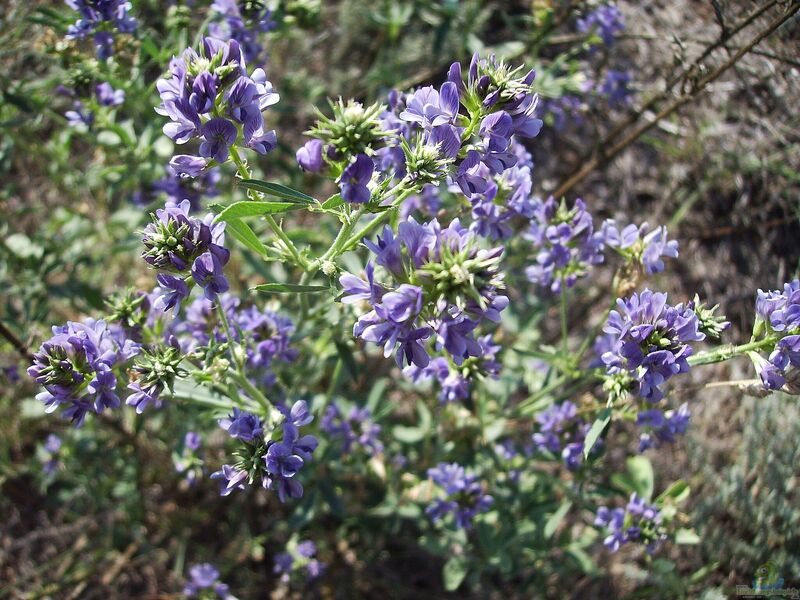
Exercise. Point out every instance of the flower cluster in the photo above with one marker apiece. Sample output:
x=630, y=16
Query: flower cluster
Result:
x=50, y=450
x=507, y=197
x=265, y=335
x=243, y=21
x=565, y=243
x=188, y=462
x=463, y=496
x=638, y=521
x=209, y=96
x=178, y=188
x=562, y=432
x=455, y=380
x=104, y=96
x=204, y=578
x=156, y=369
x=356, y=430
x=100, y=18
x=77, y=367
x=650, y=340
x=445, y=287
x=662, y=427
x=779, y=313
x=177, y=243
x=300, y=558
x=640, y=245
x=463, y=131
x=607, y=21
x=276, y=463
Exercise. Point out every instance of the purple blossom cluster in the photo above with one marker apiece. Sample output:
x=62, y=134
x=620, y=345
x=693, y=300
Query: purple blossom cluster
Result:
x=607, y=21
x=638, y=521
x=455, y=381
x=303, y=557
x=507, y=197
x=100, y=19
x=265, y=335
x=276, y=463
x=640, y=245
x=178, y=188
x=183, y=245
x=662, y=427
x=562, y=432
x=463, y=496
x=650, y=341
x=76, y=367
x=243, y=21
x=463, y=131
x=188, y=462
x=81, y=114
x=50, y=450
x=210, y=97
x=204, y=579
x=445, y=286
x=565, y=243
x=354, y=431
x=779, y=311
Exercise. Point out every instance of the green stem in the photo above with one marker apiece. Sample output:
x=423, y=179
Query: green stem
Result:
x=239, y=375
x=244, y=173
x=564, y=324
x=729, y=351
x=376, y=222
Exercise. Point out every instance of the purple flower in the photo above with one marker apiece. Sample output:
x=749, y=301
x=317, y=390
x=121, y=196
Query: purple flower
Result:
x=205, y=576
x=192, y=441
x=565, y=244
x=207, y=272
x=174, y=291
x=108, y=96
x=309, y=157
x=242, y=425
x=640, y=245
x=76, y=368
x=651, y=340
x=230, y=479
x=463, y=496
x=219, y=136
x=79, y=115
x=101, y=17
x=607, y=21
x=354, y=180
x=354, y=431
x=430, y=108
x=186, y=165
x=245, y=26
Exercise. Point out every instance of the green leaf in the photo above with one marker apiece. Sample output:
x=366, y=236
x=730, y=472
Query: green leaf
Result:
x=678, y=491
x=250, y=208
x=242, y=233
x=555, y=519
x=22, y=246
x=278, y=190
x=686, y=536
x=408, y=435
x=454, y=571
x=641, y=472
x=598, y=427
x=288, y=288
x=333, y=202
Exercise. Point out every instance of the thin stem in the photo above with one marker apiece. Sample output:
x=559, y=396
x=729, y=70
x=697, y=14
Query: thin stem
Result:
x=17, y=343
x=239, y=375
x=729, y=351
x=564, y=324
x=244, y=173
